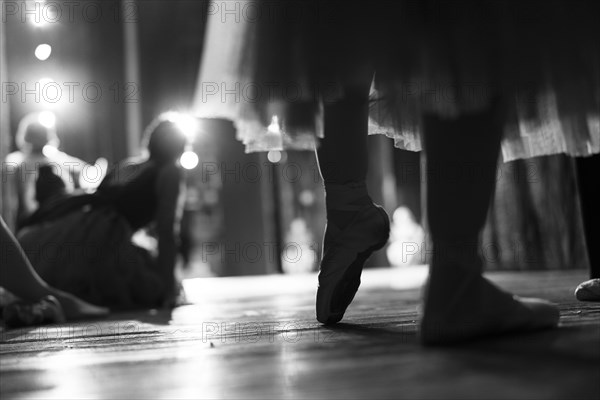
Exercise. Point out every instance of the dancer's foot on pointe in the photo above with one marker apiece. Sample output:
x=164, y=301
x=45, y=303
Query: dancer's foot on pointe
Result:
x=345, y=252
x=588, y=290
x=468, y=306
x=77, y=309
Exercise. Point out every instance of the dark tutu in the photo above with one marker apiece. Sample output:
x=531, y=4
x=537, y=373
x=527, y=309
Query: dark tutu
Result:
x=287, y=59
x=89, y=253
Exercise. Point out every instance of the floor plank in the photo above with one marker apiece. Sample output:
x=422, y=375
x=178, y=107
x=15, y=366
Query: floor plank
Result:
x=256, y=337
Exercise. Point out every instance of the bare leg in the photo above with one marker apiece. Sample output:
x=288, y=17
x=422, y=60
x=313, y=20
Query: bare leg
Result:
x=459, y=303
x=16, y=273
x=18, y=276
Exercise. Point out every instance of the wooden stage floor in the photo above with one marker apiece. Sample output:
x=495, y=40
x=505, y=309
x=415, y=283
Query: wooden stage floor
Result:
x=256, y=337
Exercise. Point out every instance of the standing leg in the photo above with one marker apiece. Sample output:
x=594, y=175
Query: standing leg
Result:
x=343, y=156
x=355, y=226
x=589, y=193
x=461, y=168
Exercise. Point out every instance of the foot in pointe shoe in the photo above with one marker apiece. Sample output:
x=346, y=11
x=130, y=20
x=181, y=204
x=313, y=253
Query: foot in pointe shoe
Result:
x=477, y=309
x=77, y=309
x=588, y=290
x=344, y=255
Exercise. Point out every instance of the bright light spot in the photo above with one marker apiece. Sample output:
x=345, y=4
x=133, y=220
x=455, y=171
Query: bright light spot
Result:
x=43, y=51
x=51, y=92
x=274, y=127
x=49, y=151
x=298, y=255
x=41, y=14
x=48, y=119
x=189, y=160
x=406, y=245
x=274, y=156
x=307, y=198
x=187, y=123
x=37, y=21
x=45, y=81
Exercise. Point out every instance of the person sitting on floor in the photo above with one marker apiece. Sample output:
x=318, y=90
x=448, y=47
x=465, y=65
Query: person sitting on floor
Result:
x=90, y=235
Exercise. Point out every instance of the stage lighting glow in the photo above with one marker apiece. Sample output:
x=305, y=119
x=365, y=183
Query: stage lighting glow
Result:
x=187, y=123
x=43, y=52
x=49, y=151
x=274, y=127
x=40, y=22
x=274, y=156
x=48, y=119
x=39, y=13
x=45, y=81
x=189, y=160
x=307, y=198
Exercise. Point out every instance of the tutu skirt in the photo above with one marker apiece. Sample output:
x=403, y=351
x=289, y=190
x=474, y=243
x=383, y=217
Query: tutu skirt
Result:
x=89, y=253
x=272, y=66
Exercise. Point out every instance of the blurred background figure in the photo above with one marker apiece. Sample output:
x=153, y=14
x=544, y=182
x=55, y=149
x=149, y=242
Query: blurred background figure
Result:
x=37, y=145
x=90, y=236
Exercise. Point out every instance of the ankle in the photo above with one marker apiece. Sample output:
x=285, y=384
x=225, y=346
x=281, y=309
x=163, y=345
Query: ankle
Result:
x=457, y=250
x=344, y=201
x=347, y=196
x=340, y=219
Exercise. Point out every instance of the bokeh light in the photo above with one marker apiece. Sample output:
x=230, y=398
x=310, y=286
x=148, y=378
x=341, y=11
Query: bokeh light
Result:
x=43, y=52
x=47, y=118
x=274, y=126
x=187, y=123
x=189, y=160
x=49, y=151
x=41, y=14
x=307, y=198
x=274, y=156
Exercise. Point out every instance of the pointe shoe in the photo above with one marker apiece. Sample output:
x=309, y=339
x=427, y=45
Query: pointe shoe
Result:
x=480, y=309
x=588, y=290
x=344, y=255
x=45, y=311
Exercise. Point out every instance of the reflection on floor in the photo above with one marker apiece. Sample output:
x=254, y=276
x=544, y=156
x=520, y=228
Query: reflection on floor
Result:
x=256, y=337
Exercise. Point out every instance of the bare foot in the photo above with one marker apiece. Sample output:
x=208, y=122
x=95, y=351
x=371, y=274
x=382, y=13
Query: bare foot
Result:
x=469, y=306
x=77, y=309
x=46, y=310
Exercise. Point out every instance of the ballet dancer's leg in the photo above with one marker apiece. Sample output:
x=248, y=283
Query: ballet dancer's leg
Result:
x=589, y=192
x=461, y=168
x=343, y=155
x=355, y=226
x=18, y=276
